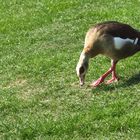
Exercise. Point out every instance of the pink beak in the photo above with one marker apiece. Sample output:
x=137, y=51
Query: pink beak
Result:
x=82, y=79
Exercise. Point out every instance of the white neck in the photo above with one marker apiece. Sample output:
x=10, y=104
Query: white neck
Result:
x=83, y=58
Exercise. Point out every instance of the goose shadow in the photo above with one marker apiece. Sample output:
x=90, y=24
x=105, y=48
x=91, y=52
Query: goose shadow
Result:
x=134, y=80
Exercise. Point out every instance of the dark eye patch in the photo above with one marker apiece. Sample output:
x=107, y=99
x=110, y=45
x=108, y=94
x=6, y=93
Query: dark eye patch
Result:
x=82, y=70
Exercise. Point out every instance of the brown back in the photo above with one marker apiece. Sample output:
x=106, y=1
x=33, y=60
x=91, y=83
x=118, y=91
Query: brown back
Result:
x=117, y=29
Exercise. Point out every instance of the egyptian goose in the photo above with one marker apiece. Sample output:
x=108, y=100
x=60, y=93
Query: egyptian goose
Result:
x=112, y=39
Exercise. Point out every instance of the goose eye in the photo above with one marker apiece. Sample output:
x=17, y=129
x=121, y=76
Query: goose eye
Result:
x=82, y=70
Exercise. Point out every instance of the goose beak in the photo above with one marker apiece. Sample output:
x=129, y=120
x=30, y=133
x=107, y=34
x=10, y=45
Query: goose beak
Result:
x=82, y=79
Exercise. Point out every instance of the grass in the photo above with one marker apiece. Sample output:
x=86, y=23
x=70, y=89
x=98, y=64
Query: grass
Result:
x=40, y=43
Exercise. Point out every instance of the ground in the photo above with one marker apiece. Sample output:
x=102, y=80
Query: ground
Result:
x=40, y=97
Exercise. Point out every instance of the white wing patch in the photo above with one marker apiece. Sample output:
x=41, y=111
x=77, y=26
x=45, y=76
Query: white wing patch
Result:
x=119, y=42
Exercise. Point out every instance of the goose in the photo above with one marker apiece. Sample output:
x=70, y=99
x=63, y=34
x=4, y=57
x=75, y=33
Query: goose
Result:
x=112, y=39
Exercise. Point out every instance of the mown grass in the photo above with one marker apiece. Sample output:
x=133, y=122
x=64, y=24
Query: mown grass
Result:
x=40, y=43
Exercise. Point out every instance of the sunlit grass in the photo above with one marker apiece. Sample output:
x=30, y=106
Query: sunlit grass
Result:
x=40, y=97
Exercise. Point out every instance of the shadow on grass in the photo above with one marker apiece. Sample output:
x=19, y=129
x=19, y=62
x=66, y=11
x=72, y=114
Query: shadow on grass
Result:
x=134, y=80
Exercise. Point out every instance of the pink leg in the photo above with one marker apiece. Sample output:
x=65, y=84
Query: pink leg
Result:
x=101, y=79
x=114, y=77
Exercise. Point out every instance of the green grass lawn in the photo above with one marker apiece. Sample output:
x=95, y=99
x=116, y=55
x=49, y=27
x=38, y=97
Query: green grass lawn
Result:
x=40, y=96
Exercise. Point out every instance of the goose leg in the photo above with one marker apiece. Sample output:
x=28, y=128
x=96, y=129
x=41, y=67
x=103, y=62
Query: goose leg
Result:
x=102, y=78
x=114, y=76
